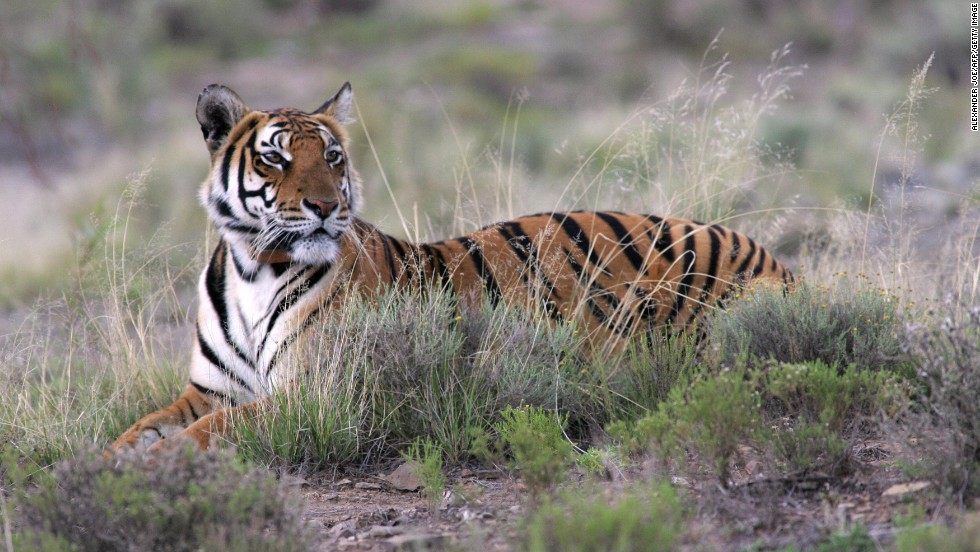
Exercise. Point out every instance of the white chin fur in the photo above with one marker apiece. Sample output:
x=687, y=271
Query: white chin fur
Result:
x=314, y=252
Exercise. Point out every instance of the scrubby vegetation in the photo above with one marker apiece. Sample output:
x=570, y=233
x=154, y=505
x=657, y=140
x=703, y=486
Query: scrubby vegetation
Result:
x=183, y=501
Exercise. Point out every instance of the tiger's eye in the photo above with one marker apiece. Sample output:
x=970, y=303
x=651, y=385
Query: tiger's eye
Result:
x=272, y=158
x=332, y=156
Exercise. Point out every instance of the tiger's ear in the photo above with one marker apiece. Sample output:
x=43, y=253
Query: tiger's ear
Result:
x=218, y=110
x=339, y=106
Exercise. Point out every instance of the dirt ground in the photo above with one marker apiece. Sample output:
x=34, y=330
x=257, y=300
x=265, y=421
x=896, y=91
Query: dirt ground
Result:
x=483, y=507
x=370, y=513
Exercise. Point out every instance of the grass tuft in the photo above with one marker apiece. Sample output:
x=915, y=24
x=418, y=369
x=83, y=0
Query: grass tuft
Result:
x=642, y=519
x=848, y=322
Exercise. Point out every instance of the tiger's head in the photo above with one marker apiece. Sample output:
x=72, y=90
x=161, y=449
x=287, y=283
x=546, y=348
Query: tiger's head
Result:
x=280, y=185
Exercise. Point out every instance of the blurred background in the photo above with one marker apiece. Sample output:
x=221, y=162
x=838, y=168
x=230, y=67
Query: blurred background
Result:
x=800, y=111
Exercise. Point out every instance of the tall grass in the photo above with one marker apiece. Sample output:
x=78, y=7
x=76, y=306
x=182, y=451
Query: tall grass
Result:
x=88, y=361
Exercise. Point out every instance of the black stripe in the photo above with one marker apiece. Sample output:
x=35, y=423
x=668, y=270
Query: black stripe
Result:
x=223, y=208
x=663, y=241
x=226, y=166
x=481, y=269
x=214, y=283
x=736, y=247
x=246, y=275
x=194, y=413
x=685, y=286
x=392, y=269
x=403, y=255
x=748, y=258
x=290, y=299
x=625, y=240
x=306, y=324
x=580, y=239
x=596, y=291
x=711, y=276
x=208, y=391
x=522, y=246
x=762, y=262
x=212, y=357
x=439, y=268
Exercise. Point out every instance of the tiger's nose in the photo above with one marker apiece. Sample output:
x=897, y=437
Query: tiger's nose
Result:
x=319, y=207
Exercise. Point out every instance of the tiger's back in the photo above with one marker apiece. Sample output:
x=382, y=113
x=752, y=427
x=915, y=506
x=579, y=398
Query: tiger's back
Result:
x=616, y=272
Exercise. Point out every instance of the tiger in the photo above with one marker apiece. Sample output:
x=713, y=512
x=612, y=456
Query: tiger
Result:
x=285, y=197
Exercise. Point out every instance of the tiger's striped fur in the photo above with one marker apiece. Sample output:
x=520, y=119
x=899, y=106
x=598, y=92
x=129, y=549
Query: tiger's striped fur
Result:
x=285, y=200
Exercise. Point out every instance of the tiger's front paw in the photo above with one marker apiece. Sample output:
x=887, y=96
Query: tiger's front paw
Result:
x=143, y=435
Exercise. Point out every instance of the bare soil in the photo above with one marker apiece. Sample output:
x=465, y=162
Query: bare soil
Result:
x=477, y=511
x=483, y=508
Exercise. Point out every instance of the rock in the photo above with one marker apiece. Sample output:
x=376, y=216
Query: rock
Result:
x=680, y=482
x=404, y=478
x=343, y=529
x=365, y=486
x=342, y=483
x=902, y=489
x=415, y=542
x=382, y=531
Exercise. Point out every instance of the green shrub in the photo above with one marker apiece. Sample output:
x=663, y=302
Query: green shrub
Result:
x=641, y=376
x=593, y=461
x=964, y=537
x=642, y=519
x=536, y=438
x=310, y=425
x=827, y=407
x=399, y=367
x=947, y=355
x=182, y=500
x=848, y=323
x=711, y=416
x=426, y=457
x=855, y=540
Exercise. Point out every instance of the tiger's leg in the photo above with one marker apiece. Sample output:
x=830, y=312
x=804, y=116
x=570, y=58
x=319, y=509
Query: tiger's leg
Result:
x=190, y=407
x=209, y=429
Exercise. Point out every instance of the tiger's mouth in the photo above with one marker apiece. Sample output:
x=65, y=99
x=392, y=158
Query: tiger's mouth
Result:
x=315, y=247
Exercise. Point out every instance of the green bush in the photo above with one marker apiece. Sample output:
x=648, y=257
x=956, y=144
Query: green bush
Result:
x=536, y=438
x=827, y=407
x=848, y=323
x=855, y=540
x=947, y=355
x=182, y=500
x=648, y=519
x=641, y=376
x=311, y=425
x=426, y=457
x=400, y=367
x=964, y=537
x=711, y=416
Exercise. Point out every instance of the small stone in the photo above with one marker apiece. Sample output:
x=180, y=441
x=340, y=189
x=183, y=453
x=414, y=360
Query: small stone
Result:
x=342, y=483
x=383, y=531
x=365, y=486
x=415, y=542
x=680, y=482
x=903, y=489
x=404, y=478
x=344, y=529
x=293, y=481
